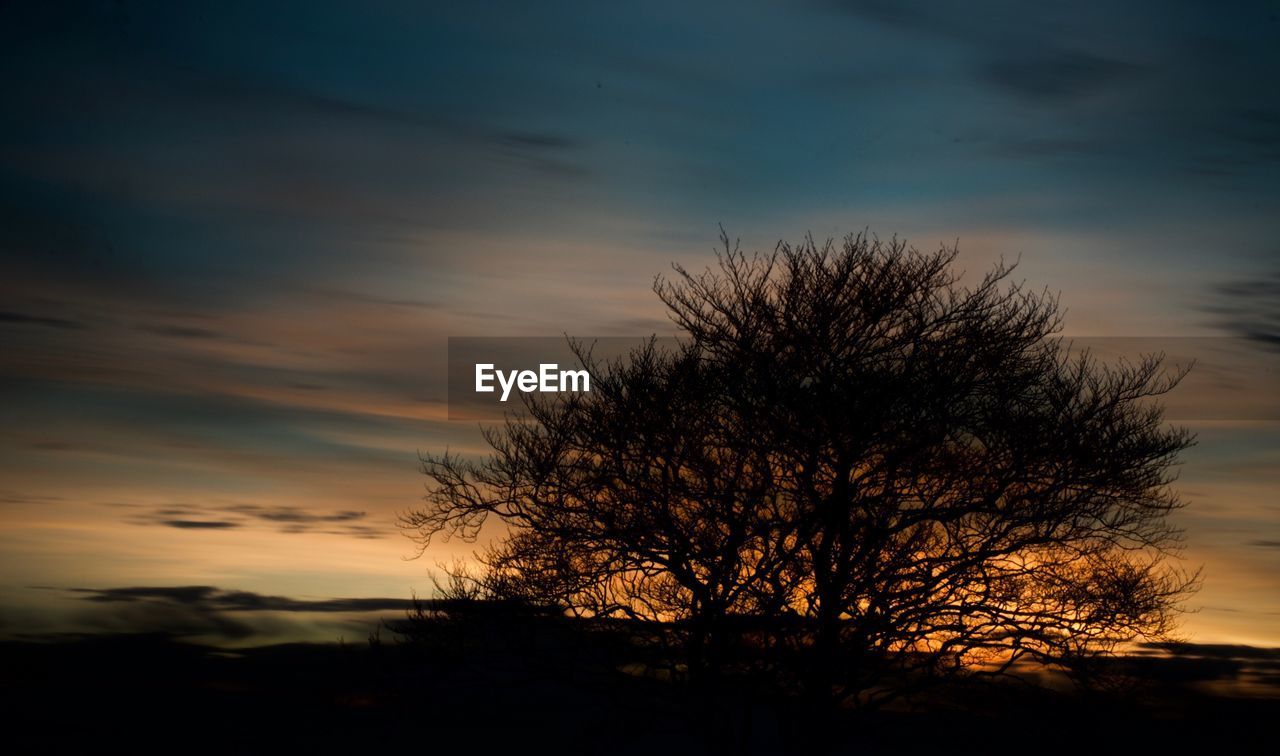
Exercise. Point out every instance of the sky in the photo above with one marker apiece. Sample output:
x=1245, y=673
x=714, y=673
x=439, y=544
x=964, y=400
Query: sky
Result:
x=235, y=236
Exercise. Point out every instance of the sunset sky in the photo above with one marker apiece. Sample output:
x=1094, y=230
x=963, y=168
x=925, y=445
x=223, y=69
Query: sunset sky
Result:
x=234, y=239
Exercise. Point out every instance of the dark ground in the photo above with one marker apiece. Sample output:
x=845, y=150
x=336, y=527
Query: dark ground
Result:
x=534, y=687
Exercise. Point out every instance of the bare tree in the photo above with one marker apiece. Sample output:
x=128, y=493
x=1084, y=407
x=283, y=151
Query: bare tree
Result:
x=637, y=500
x=967, y=493
x=854, y=458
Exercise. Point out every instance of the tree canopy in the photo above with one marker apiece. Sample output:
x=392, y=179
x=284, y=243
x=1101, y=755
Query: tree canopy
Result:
x=854, y=472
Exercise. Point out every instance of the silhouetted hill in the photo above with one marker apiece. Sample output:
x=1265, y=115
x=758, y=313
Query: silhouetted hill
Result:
x=489, y=682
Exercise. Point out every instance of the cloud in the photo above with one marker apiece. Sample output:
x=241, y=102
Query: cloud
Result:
x=169, y=618
x=541, y=151
x=1049, y=147
x=220, y=600
x=20, y=497
x=22, y=318
x=1229, y=669
x=538, y=141
x=294, y=515
x=208, y=612
x=329, y=293
x=1054, y=74
x=939, y=19
x=182, y=332
x=199, y=524
x=1217, y=650
x=285, y=519
x=1250, y=308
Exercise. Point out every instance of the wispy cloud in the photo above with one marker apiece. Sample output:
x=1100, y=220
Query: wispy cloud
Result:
x=1250, y=308
x=283, y=519
x=218, y=599
x=22, y=318
x=1054, y=75
x=221, y=615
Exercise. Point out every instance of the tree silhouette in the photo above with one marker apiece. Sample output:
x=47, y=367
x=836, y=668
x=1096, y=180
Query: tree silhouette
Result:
x=638, y=499
x=855, y=473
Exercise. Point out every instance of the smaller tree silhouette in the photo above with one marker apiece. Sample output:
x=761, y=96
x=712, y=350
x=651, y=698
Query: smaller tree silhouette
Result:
x=854, y=461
